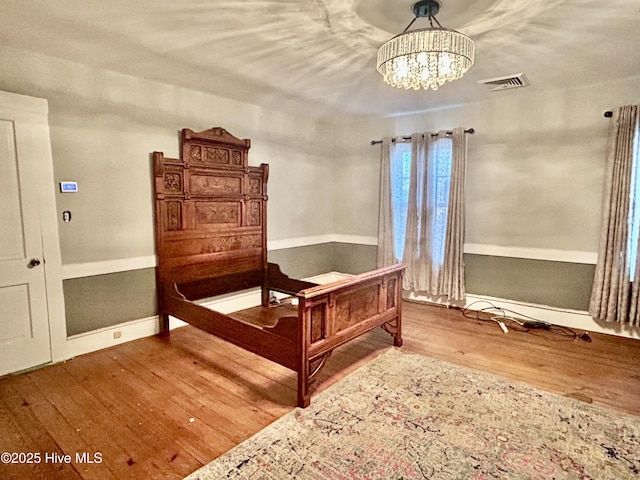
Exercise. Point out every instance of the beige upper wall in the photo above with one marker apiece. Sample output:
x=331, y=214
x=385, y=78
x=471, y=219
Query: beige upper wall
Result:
x=535, y=165
x=356, y=176
x=534, y=174
x=105, y=125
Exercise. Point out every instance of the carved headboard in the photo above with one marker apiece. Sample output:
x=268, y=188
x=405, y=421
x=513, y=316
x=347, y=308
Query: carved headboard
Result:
x=211, y=212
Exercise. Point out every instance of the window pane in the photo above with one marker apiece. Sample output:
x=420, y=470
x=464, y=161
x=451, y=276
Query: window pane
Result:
x=442, y=181
x=400, y=178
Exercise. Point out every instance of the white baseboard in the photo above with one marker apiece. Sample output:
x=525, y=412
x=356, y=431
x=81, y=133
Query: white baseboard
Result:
x=110, y=336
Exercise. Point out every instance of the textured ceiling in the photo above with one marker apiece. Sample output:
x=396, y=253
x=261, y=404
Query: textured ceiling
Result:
x=318, y=56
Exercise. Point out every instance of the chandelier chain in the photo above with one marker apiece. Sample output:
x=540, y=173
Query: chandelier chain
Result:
x=409, y=26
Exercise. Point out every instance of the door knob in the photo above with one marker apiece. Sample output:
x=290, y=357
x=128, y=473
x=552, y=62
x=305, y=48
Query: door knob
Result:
x=33, y=263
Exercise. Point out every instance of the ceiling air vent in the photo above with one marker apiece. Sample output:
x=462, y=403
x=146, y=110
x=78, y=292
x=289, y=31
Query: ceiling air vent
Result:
x=503, y=83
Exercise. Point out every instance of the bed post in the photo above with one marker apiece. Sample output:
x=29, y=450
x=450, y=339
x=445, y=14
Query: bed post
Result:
x=266, y=293
x=392, y=295
x=158, y=183
x=397, y=337
x=162, y=316
x=304, y=321
x=397, y=295
x=164, y=324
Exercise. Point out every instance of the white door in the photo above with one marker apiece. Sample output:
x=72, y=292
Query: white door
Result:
x=24, y=322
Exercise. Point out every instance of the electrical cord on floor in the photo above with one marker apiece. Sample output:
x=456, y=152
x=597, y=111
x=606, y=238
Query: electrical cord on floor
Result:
x=518, y=322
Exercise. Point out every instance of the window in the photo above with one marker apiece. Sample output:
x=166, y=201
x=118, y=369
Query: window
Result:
x=438, y=186
x=634, y=208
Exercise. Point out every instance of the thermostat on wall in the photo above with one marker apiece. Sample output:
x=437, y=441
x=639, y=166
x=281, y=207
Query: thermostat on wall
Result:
x=67, y=187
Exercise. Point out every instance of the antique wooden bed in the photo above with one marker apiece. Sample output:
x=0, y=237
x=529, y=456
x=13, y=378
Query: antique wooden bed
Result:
x=211, y=212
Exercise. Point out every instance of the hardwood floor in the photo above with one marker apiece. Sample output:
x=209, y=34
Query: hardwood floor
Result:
x=156, y=408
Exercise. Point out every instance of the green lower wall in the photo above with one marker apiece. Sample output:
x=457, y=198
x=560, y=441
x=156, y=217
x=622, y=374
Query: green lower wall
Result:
x=557, y=284
x=106, y=300
x=304, y=262
x=354, y=259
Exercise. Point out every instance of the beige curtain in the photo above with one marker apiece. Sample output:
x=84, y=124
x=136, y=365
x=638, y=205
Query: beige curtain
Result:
x=386, y=244
x=614, y=297
x=451, y=281
x=419, y=275
x=425, y=275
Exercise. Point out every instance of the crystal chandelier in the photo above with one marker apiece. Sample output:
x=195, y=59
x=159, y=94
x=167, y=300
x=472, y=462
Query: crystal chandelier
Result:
x=427, y=57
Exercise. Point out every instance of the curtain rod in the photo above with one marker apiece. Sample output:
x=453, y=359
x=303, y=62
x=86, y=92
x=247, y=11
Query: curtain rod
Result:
x=470, y=130
x=608, y=114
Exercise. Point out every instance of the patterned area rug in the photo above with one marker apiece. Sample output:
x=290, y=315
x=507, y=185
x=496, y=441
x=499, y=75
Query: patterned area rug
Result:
x=405, y=416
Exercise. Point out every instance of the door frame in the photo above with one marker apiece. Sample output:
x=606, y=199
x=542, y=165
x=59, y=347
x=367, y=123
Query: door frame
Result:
x=33, y=114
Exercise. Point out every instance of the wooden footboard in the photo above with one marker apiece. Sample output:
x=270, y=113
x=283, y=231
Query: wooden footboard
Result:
x=331, y=315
